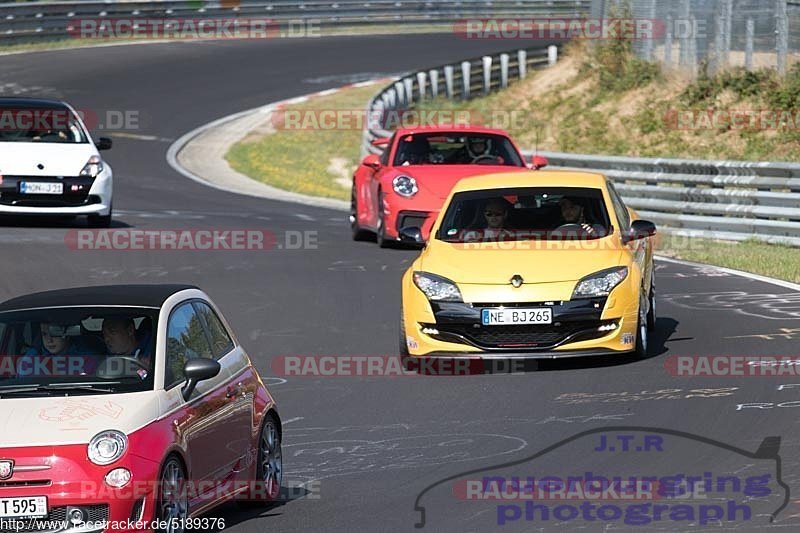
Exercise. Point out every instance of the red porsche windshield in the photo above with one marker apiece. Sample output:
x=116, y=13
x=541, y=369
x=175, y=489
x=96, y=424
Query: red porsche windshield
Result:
x=460, y=148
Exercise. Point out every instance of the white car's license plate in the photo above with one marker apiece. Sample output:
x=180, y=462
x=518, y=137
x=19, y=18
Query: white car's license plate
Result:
x=512, y=316
x=31, y=507
x=28, y=187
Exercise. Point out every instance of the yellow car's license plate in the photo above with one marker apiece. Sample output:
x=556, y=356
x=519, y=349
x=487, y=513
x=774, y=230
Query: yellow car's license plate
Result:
x=498, y=316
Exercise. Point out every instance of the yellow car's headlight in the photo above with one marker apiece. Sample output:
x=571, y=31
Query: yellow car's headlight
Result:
x=437, y=288
x=600, y=283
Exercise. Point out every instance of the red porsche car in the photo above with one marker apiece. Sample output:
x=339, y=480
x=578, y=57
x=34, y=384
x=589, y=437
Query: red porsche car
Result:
x=406, y=185
x=128, y=408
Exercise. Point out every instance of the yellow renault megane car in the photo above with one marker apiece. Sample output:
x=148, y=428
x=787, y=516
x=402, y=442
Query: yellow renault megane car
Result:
x=546, y=265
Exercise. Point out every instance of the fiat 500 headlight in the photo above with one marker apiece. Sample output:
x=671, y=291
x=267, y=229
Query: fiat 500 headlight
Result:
x=107, y=446
x=600, y=283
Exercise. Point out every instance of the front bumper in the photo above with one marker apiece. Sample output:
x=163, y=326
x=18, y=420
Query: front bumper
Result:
x=580, y=328
x=573, y=321
x=70, y=481
x=81, y=195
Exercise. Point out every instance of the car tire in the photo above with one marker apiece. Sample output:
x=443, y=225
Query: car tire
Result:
x=101, y=221
x=269, y=466
x=380, y=234
x=652, y=316
x=359, y=234
x=173, y=498
x=642, y=339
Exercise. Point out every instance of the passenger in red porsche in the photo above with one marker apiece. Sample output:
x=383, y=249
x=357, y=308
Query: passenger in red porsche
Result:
x=119, y=334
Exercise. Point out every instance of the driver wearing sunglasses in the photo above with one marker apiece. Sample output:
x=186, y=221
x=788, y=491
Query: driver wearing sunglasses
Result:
x=495, y=214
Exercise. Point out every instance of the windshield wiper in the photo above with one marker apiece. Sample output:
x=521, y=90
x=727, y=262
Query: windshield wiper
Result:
x=101, y=388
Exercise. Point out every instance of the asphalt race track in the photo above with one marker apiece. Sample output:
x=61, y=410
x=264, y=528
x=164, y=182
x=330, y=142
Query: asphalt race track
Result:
x=366, y=447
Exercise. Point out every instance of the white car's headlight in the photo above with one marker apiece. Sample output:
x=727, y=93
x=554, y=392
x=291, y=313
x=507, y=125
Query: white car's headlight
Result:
x=93, y=167
x=437, y=288
x=107, y=446
x=405, y=186
x=600, y=283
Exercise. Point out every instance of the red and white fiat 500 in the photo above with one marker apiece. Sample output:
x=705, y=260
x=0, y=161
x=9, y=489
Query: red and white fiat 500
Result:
x=128, y=406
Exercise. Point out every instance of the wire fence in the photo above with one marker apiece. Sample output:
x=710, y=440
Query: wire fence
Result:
x=718, y=33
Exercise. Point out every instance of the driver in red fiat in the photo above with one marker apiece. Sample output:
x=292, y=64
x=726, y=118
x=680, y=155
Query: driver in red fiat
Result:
x=119, y=334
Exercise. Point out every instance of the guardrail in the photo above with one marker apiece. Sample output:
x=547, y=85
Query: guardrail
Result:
x=40, y=21
x=471, y=77
x=728, y=200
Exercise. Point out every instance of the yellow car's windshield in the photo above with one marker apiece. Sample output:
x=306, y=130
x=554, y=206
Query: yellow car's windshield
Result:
x=532, y=213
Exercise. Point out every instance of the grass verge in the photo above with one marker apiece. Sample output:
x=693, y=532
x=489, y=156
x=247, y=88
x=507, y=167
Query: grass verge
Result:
x=313, y=159
x=772, y=260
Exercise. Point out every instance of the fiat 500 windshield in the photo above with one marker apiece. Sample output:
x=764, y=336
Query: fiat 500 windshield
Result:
x=77, y=350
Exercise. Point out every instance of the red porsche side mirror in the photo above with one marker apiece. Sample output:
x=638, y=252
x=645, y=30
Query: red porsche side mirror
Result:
x=538, y=162
x=372, y=161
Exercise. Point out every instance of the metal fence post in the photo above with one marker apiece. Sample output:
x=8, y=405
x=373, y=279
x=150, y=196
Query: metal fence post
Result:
x=648, y=43
x=552, y=55
x=389, y=98
x=401, y=94
x=668, y=44
x=487, y=73
x=686, y=33
x=522, y=60
x=782, y=34
x=409, y=87
x=693, y=46
x=421, y=83
x=748, y=44
x=448, y=81
x=466, y=78
x=719, y=36
x=434, y=76
x=503, y=70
